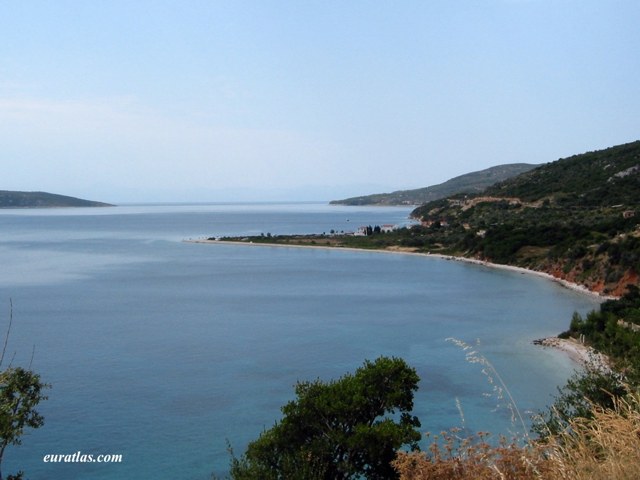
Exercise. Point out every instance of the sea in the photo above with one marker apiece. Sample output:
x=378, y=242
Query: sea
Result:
x=171, y=353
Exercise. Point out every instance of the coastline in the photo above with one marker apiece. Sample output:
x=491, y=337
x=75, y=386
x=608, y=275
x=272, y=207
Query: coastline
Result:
x=570, y=285
x=581, y=354
x=578, y=352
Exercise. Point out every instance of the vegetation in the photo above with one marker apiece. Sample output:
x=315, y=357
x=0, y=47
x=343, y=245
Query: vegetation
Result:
x=333, y=431
x=451, y=457
x=11, y=199
x=586, y=391
x=474, y=182
x=338, y=430
x=21, y=390
x=575, y=219
x=342, y=429
x=601, y=447
x=615, y=331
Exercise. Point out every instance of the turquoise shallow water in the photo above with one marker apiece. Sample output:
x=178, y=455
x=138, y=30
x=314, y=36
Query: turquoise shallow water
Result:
x=162, y=350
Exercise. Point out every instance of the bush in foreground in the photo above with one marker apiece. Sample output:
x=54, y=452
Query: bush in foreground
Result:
x=353, y=428
x=343, y=429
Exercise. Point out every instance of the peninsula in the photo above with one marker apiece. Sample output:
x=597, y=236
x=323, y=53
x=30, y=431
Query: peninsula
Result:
x=14, y=199
x=574, y=219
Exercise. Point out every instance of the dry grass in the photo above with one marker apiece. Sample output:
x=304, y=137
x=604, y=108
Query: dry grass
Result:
x=606, y=447
x=452, y=458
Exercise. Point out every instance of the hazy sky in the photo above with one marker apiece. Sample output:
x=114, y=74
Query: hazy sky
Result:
x=140, y=100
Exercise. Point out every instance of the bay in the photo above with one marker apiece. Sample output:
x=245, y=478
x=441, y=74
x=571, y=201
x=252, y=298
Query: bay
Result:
x=163, y=351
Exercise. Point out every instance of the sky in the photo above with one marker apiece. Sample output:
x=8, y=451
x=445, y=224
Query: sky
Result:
x=255, y=100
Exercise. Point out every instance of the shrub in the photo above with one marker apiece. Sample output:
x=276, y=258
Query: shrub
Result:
x=339, y=430
x=604, y=446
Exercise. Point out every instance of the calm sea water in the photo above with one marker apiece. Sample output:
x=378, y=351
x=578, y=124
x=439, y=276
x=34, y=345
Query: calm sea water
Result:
x=162, y=350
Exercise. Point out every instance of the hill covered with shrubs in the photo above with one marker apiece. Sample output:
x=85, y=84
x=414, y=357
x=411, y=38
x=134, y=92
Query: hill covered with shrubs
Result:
x=576, y=218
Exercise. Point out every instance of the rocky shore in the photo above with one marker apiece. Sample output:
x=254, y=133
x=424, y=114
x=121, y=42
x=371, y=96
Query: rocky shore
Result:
x=578, y=352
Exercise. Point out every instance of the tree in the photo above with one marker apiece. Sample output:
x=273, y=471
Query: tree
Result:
x=339, y=430
x=20, y=392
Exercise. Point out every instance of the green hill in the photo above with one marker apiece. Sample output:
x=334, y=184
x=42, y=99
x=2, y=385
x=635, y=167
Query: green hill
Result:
x=602, y=178
x=575, y=218
x=11, y=199
x=473, y=182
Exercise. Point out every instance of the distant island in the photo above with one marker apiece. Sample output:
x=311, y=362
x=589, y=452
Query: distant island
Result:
x=13, y=199
x=474, y=182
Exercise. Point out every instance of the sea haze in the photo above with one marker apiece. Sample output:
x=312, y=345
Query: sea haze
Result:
x=163, y=350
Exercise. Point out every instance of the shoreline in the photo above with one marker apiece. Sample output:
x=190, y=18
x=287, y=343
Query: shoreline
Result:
x=577, y=352
x=576, y=287
x=580, y=353
x=570, y=285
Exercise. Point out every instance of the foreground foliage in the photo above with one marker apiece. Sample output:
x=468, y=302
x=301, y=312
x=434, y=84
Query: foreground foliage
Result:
x=342, y=429
x=584, y=391
x=451, y=457
x=20, y=392
x=339, y=430
x=602, y=447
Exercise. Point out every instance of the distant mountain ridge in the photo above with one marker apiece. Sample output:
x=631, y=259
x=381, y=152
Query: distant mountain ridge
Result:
x=474, y=182
x=14, y=199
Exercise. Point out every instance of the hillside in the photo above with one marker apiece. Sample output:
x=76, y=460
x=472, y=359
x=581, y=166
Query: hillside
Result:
x=473, y=182
x=575, y=218
x=11, y=199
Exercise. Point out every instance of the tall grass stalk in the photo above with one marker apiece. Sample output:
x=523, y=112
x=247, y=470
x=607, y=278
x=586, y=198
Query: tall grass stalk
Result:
x=603, y=447
x=472, y=355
